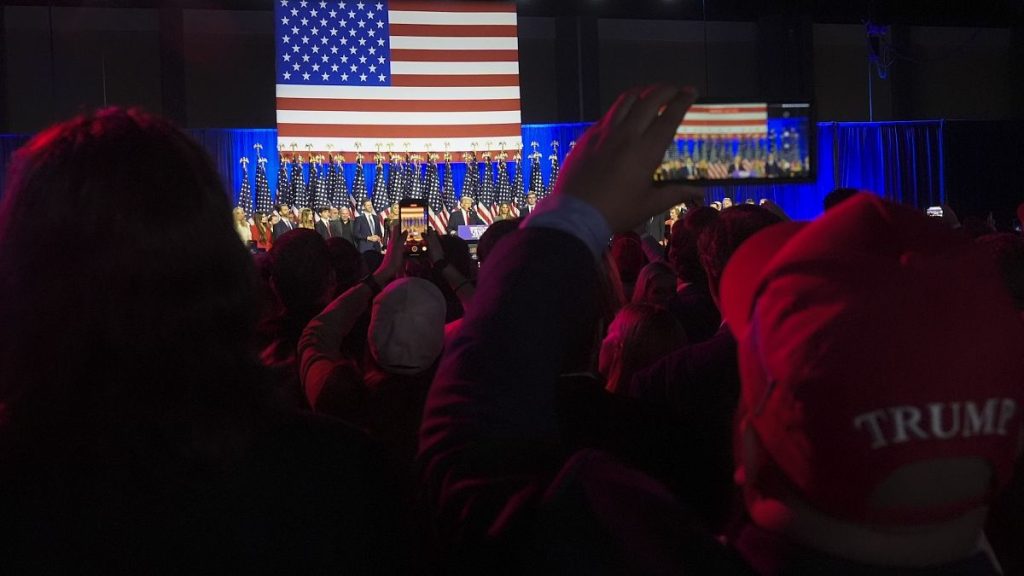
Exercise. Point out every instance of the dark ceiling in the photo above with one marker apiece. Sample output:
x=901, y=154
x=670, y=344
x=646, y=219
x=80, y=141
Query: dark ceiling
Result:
x=982, y=13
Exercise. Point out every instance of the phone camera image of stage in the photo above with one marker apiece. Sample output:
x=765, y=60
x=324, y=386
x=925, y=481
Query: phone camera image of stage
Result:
x=415, y=226
x=739, y=141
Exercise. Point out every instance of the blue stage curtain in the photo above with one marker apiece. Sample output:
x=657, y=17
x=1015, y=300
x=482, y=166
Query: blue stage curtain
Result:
x=544, y=135
x=901, y=161
x=228, y=146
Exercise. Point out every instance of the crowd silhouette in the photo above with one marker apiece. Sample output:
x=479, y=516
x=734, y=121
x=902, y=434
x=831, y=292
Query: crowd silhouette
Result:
x=754, y=396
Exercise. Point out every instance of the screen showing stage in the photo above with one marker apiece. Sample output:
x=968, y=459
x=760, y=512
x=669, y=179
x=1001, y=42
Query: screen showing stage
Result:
x=397, y=76
x=750, y=140
x=414, y=221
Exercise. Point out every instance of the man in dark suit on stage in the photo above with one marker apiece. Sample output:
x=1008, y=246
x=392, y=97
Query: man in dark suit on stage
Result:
x=322, y=227
x=464, y=216
x=344, y=225
x=369, y=230
x=286, y=224
x=531, y=205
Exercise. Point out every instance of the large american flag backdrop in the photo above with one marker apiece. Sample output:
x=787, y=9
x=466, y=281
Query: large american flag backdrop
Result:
x=409, y=75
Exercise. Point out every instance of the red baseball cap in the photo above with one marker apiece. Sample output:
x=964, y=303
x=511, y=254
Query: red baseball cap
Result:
x=871, y=339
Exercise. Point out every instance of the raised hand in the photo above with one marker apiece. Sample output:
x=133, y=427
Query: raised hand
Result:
x=612, y=165
x=394, y=259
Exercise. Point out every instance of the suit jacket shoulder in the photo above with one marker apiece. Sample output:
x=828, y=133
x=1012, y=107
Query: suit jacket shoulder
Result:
x=321, y=229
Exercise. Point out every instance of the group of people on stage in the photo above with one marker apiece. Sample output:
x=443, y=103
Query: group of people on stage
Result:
x=467, y=215
x=686, y=168
x=367, y=229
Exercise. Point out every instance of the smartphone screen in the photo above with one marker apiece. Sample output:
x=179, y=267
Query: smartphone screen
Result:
x=748, y=141
x=934, y=211
x=413, y=217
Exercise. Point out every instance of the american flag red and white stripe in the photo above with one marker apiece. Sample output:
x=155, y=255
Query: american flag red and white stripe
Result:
x=724, y=120
x=718, y=170
x=435, y=206
x=415, y=75
x=485, y=213
x=438, y=221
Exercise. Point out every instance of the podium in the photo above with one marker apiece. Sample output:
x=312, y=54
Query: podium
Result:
x=471, y=233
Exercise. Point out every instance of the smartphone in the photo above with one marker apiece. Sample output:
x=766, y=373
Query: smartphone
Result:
x=742, y=141
x=413, y=217
x=934, y=211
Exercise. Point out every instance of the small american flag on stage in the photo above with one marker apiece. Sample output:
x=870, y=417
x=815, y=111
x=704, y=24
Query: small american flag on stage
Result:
x=416, y=75
x=724, y=120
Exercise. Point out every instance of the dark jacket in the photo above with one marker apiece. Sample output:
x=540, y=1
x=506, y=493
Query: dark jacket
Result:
x=697, y=388
x=283, y=227
x=296, y=494
x=346, y=230
x=363, y=231
x=456, y=219
x=321, y=228
x=696, y=311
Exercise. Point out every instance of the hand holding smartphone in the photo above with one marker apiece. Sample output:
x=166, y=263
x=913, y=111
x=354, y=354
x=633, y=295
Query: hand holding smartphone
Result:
x=413, y=217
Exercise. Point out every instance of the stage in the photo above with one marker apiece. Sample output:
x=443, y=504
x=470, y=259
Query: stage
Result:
x=901, y=161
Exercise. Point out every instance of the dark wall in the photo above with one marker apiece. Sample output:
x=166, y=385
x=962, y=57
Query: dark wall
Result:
x=538, y=75
x=983, y=161
x=841, y=76
x=61, y=61
x=636, y=52
x=229, y=72
x=960, y=73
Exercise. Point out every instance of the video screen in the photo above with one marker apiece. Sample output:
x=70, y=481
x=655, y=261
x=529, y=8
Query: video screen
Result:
x=414, y=221
x=755, y=140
